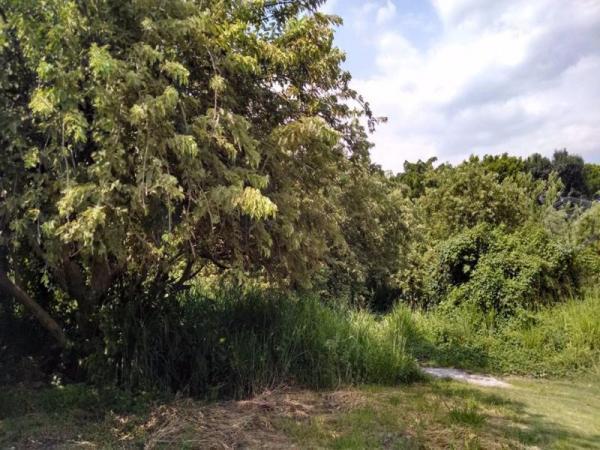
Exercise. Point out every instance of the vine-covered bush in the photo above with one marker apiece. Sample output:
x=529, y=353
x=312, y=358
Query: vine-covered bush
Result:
x=503, y=272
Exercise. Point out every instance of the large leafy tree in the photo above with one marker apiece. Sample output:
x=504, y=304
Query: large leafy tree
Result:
x=504, y=165
x=539, y=166
x=141, y=140
x=418, y=176
x=376, y=230
x=469, y=194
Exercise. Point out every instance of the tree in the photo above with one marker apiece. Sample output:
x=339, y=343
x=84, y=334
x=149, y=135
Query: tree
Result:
x=375, y=226
x=570, y=170
x=141, y=141
x=504, y=165
x=468, y=195
x=417, y=176
x=538, y=166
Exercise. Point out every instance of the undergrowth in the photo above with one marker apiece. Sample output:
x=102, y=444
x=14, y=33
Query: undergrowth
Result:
x=553, y=341
x=235, y=344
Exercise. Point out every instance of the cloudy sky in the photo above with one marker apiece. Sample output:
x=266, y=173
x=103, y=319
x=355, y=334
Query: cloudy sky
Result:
x=461, y=77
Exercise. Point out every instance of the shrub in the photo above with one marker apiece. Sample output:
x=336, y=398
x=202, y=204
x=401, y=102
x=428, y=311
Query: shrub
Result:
x=503, y=272
x=586, y=231
x=553, y=342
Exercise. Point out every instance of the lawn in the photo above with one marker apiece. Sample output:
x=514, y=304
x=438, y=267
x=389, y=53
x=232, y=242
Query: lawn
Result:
x=436, y=414
x=444, y=414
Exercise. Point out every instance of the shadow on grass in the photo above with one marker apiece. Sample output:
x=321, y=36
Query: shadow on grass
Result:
x=65, y=416
x=20, y=401
x=522, y=425
x=449, y=353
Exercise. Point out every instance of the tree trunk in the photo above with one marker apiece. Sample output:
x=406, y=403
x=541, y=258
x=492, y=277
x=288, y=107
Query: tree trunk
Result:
x=8, y=288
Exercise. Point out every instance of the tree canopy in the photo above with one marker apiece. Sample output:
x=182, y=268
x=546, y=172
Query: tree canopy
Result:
x=143, y=140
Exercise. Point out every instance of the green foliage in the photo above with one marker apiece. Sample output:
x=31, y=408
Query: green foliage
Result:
x=418, y=176
x=591, y=173
x=147, y=145
x=458, y=199
x=142, y=142
x=538, y=166
x=557, y=340
x=375, y=223
x=504, y=166
x=578, y=178
x=570, y=169
x=468, y=195
x=585, y=234
x=503, y=272
x=17, y=401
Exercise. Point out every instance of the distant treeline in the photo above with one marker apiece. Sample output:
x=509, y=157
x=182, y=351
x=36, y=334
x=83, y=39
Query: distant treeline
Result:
x=580, y=179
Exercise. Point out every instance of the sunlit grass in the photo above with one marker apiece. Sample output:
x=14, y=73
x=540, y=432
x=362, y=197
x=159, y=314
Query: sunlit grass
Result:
x=546, y=414
x=556, y=341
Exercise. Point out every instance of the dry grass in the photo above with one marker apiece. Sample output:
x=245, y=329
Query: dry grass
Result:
x=182, y=423
x=242, y=424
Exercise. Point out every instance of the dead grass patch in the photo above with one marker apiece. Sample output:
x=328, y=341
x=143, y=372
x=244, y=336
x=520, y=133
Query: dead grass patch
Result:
x=241, y=424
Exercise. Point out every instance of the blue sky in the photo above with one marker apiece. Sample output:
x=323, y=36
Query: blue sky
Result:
x=461, y=77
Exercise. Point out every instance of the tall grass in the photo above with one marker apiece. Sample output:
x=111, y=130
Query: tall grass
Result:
x=235, y=344
x=554, y=341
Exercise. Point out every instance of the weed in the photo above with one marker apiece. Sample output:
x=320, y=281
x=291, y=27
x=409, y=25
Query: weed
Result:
x=467, y=414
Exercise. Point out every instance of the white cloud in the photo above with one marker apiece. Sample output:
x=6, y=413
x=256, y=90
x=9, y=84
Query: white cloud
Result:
x=503, y=75
x=385, y=13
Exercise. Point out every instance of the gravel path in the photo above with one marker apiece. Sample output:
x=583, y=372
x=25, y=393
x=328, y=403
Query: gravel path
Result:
x=461, y=375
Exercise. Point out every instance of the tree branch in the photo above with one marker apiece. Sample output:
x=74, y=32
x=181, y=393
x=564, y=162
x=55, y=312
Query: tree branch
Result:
x=9, y=289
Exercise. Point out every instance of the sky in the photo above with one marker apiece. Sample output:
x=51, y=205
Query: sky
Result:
x=462, y=77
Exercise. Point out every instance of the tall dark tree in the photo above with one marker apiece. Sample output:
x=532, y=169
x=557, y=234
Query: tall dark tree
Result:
x=539, y=166
x=570, y=170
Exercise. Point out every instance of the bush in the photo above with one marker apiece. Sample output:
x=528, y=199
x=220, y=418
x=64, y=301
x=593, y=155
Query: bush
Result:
x=502, y=273
x=236, y=344
x=586, y=235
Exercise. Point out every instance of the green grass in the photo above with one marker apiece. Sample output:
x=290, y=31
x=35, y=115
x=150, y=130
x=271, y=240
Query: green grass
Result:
x=572, y=404
x=239, y=346
x=555, y=341
x=468, y=414
x=236, y=344
x=541, y=414
x=68, y=416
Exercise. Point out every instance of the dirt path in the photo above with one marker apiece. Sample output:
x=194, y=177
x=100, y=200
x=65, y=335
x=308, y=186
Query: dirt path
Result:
x=461, y=375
